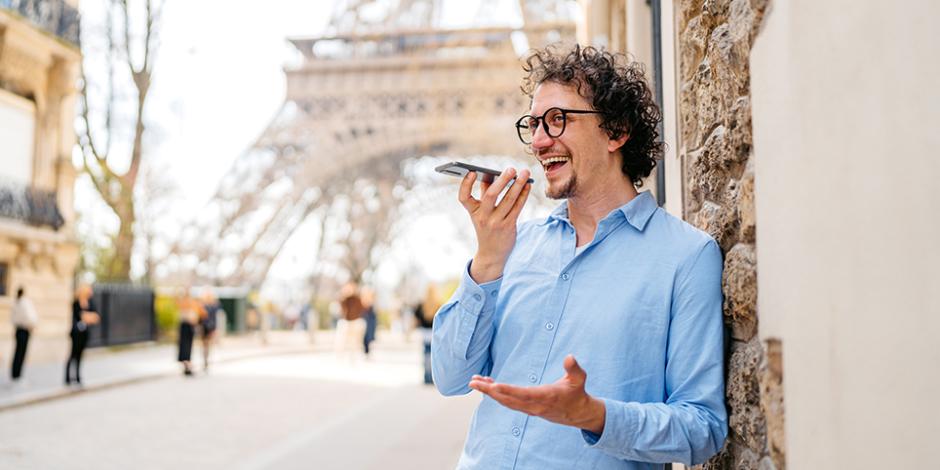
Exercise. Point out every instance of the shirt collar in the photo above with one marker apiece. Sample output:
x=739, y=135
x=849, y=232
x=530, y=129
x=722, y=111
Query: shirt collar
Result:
x=637, y=212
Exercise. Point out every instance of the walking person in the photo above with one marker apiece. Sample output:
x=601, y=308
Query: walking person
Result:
x=595, y=334
x=84, y=315
x=351, y=327
x=24, y=319
x=208, y=323
x=190, y=312
x=424, y=316
x=368, y=302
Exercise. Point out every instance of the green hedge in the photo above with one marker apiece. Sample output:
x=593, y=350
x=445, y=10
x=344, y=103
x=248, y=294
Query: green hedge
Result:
x=168, y=318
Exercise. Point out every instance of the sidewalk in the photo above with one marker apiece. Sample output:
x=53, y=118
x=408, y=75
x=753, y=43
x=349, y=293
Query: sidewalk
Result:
x=109, y=367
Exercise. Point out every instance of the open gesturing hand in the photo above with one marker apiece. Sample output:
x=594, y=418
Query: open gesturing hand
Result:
x=563, y=402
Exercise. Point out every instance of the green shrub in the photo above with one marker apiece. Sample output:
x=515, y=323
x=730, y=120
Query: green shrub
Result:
x=168, y=318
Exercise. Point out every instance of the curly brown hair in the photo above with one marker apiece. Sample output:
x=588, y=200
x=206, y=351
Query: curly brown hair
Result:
x=616, y=87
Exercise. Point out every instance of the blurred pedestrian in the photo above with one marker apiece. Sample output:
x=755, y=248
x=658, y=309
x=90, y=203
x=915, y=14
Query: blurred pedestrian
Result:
x=24, y=320
x=368, y=303
x=424, y=316
x=351, y=327
x=208, y=322
x=190, y=313
x=84, y=315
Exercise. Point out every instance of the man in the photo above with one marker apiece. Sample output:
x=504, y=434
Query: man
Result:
x=24, y=319
x=595, y=334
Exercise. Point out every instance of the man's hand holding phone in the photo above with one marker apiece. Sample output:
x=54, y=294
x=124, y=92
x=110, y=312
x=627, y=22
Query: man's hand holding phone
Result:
x=494, y=223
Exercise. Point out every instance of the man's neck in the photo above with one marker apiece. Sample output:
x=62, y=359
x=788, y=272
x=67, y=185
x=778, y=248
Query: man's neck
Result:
x=586, y=210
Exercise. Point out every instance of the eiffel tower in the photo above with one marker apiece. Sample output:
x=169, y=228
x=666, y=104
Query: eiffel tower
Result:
x=384, y=85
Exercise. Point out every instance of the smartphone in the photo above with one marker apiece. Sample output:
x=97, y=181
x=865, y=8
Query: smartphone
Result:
x=460, y=169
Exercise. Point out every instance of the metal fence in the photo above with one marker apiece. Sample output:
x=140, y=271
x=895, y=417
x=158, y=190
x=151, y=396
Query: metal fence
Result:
x=25, y=203
x=127, y=315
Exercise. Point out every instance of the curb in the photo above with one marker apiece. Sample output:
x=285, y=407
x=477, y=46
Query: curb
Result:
x=42, y=397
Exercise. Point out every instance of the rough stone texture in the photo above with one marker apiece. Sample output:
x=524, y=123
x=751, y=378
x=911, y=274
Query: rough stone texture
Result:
x=746, y=422
x=715, y=38
x=771, y=402
x=739, y=282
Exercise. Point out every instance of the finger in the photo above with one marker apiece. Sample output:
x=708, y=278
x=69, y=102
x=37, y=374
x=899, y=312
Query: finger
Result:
x=488, y=200
x=512, y=402
x=508, y=203
x=483, y=378
x=520, y=202
x=527, y=394
x=482, y=386
x=574, y=371
x=466, y=186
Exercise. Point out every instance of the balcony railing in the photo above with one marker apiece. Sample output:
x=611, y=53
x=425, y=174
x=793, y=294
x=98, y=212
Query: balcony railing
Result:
x=30, y=205
x=53, y=16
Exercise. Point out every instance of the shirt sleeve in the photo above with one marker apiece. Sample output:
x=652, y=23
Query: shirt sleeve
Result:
x=32, y=318
x=691, y=425
x=462, y=332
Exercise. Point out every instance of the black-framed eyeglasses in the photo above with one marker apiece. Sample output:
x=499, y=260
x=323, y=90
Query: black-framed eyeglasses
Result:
x=553, y=122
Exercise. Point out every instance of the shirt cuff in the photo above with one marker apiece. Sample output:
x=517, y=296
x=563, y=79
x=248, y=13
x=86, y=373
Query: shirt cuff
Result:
x=476, y=298
x=621, y=421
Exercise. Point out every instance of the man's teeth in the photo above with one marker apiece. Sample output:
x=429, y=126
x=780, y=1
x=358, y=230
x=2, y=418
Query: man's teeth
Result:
x=549, y=161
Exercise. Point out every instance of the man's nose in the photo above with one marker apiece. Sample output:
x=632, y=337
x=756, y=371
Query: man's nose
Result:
x=541, y=139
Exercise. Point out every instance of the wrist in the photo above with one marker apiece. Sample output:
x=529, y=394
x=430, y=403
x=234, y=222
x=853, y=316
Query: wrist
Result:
x=596, y=416
x=484, y=270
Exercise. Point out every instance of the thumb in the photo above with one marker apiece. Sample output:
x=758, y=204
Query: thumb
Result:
x=574, y=371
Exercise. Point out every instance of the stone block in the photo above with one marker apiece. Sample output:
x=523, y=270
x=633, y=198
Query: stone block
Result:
x=688, y=9
x=692, y=42
x=728, y=56
x=766, y=464
x=745, y=420
x=747, y=223
x=718, y=221
x=745, y=458
x=739, y=285
x=771, y=400
x=715, y=12
x=708, y=166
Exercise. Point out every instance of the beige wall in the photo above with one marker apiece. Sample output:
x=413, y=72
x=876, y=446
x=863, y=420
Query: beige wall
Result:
x=41, y=70
x=847, y=149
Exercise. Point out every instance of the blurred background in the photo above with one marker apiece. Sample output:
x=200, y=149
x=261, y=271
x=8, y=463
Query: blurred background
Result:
x=250, y=186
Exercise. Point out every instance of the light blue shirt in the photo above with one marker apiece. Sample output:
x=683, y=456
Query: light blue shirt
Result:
x=639, y=308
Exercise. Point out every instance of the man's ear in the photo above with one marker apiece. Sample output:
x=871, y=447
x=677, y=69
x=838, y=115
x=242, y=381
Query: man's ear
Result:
x=614, y=144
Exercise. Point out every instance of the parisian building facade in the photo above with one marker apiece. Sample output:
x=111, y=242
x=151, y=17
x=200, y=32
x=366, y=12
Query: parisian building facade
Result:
x=39, y=67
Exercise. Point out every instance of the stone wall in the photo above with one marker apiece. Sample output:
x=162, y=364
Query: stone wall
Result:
x=715, y=38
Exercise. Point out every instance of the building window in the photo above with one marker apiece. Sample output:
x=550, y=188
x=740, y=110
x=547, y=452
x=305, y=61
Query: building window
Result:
x=17, y=133
x=4, y=269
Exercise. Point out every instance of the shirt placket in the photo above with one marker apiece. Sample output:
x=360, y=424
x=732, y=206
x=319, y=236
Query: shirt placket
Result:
x=542, y=342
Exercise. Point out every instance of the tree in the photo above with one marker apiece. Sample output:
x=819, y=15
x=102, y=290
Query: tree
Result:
x=133, y=45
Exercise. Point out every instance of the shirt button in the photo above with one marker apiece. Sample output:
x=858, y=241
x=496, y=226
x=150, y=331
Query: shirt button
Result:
x=549, y=326
x=477, y=297
x=565, y=276
x=532, y=378
x=516, y=432
x=493, y=294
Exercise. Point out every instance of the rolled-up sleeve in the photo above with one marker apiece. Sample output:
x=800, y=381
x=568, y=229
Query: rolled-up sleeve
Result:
x=463, y=331
x=691, y=425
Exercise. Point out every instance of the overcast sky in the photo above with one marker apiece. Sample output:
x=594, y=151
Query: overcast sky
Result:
x=218, y=81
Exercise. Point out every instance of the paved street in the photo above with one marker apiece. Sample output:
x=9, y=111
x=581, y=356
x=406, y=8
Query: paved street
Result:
x=302, y=410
